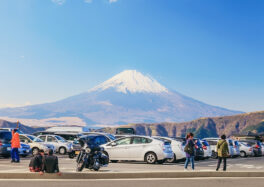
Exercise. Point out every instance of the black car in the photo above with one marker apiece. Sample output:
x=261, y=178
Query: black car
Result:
x=256, y=145
x=5, y=143
x=98, y=138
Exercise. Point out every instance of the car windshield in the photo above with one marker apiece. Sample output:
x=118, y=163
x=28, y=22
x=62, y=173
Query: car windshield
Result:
x=111, y=137
x=5, y=136
x=60, y=139
x=34, y=138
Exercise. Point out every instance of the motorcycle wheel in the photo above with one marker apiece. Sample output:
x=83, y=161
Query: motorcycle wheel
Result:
x=80, y=166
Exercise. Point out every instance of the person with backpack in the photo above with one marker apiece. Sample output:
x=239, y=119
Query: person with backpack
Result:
x=222, y=152
x=190, y=151
x=36, y=163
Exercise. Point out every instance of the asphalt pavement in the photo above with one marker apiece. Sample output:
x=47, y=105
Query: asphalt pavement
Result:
x=196, y=182
x=69, y=165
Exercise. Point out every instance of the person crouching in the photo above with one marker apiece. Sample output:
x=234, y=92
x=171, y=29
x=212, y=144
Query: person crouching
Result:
x=36, y=163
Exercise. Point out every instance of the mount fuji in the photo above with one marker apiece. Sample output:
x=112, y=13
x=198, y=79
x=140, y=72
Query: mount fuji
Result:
x=128, y=97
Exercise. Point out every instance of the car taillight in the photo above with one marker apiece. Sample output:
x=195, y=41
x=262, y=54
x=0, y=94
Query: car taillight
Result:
x=196, y=147
x=257, y=146
x=1, y=143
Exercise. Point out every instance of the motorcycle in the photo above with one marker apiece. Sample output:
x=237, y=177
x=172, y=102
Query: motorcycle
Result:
x=91, y=157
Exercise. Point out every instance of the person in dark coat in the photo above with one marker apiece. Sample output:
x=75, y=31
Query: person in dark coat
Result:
x=50, y=163
x=190, y=151
x=222, y=152
x=36, y=163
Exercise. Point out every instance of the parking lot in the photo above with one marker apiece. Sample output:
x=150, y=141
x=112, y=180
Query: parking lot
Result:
x=69, y=165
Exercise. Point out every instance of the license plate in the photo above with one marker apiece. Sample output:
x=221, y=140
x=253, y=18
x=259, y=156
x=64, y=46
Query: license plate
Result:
x=9, y=148
x=77, y=152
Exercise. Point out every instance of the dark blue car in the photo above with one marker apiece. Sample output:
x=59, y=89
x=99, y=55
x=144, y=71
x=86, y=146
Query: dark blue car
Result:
x=5, y=144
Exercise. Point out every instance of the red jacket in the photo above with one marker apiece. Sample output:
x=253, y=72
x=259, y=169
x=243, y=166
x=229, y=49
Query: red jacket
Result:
x=15, y=142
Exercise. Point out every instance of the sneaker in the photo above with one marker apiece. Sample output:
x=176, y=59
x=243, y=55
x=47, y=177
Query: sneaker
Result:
x=192, y=170
x=185, y=169
x=12, y=161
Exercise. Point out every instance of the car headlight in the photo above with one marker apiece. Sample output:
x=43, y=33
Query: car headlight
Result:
x=87, y=150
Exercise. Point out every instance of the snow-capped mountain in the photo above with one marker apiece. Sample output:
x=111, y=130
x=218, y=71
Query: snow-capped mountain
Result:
x=133, y=82
x=129, y=97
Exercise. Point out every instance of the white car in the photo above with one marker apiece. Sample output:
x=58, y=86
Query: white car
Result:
x=207, y=149
x=35, y=143
x=138, y=148
x=245, y=149
x=176, y=146
x=60, y=144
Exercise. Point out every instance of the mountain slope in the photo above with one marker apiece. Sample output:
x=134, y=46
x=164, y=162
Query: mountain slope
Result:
x=129, y=97
x=23, y=128
x=203, y=127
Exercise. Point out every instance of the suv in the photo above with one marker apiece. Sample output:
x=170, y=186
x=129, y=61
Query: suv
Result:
x=5, y=143
x=60, y=144
x=35, y=143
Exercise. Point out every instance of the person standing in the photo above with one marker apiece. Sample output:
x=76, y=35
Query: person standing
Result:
x=222, y=152
x=15, y=145
x=190, y=151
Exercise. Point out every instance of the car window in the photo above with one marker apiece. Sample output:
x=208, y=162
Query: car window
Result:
x=43, y=138
x=124, y=141
x=51, y=139
x=60, y=138
x=100, y=140
x=140, y=140
x=212, y=142
x=34, y=138
x=23, y=139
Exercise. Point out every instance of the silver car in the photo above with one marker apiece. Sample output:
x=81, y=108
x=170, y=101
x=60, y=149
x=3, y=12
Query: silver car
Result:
x=60, y=144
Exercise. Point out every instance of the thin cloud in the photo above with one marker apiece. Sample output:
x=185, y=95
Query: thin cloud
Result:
x=112, y=1
x=88, y=1
x=59, y=2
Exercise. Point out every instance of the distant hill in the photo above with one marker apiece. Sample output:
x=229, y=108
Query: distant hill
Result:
x=129, y=97
x=23, y=128
x=203, y=127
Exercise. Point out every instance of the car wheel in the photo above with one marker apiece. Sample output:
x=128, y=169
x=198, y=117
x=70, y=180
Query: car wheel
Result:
x=151, y=158
x=172, y=160
x=35, y=151
x=214, y=154
x=114, y=161
x=243, y=154
x=62, y=151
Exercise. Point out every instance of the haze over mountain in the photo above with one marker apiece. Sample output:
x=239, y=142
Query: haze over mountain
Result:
x=129, y=97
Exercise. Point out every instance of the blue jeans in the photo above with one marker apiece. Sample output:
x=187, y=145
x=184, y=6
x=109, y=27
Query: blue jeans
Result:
x=15, y=155
x=189, y=159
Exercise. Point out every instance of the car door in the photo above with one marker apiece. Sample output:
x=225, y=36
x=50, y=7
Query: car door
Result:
x=118, y=151
x=53, y=141
x=137, y=149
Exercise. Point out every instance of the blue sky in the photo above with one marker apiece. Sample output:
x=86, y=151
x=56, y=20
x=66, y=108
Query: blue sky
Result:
x=211, y=50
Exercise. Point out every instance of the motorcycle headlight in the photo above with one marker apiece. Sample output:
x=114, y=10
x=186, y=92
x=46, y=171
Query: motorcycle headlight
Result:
x=87, y=150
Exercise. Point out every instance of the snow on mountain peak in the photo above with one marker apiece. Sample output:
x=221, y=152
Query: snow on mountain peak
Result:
x=131, y=81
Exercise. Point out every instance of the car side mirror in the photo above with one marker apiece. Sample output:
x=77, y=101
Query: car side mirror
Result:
x=113, y=144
